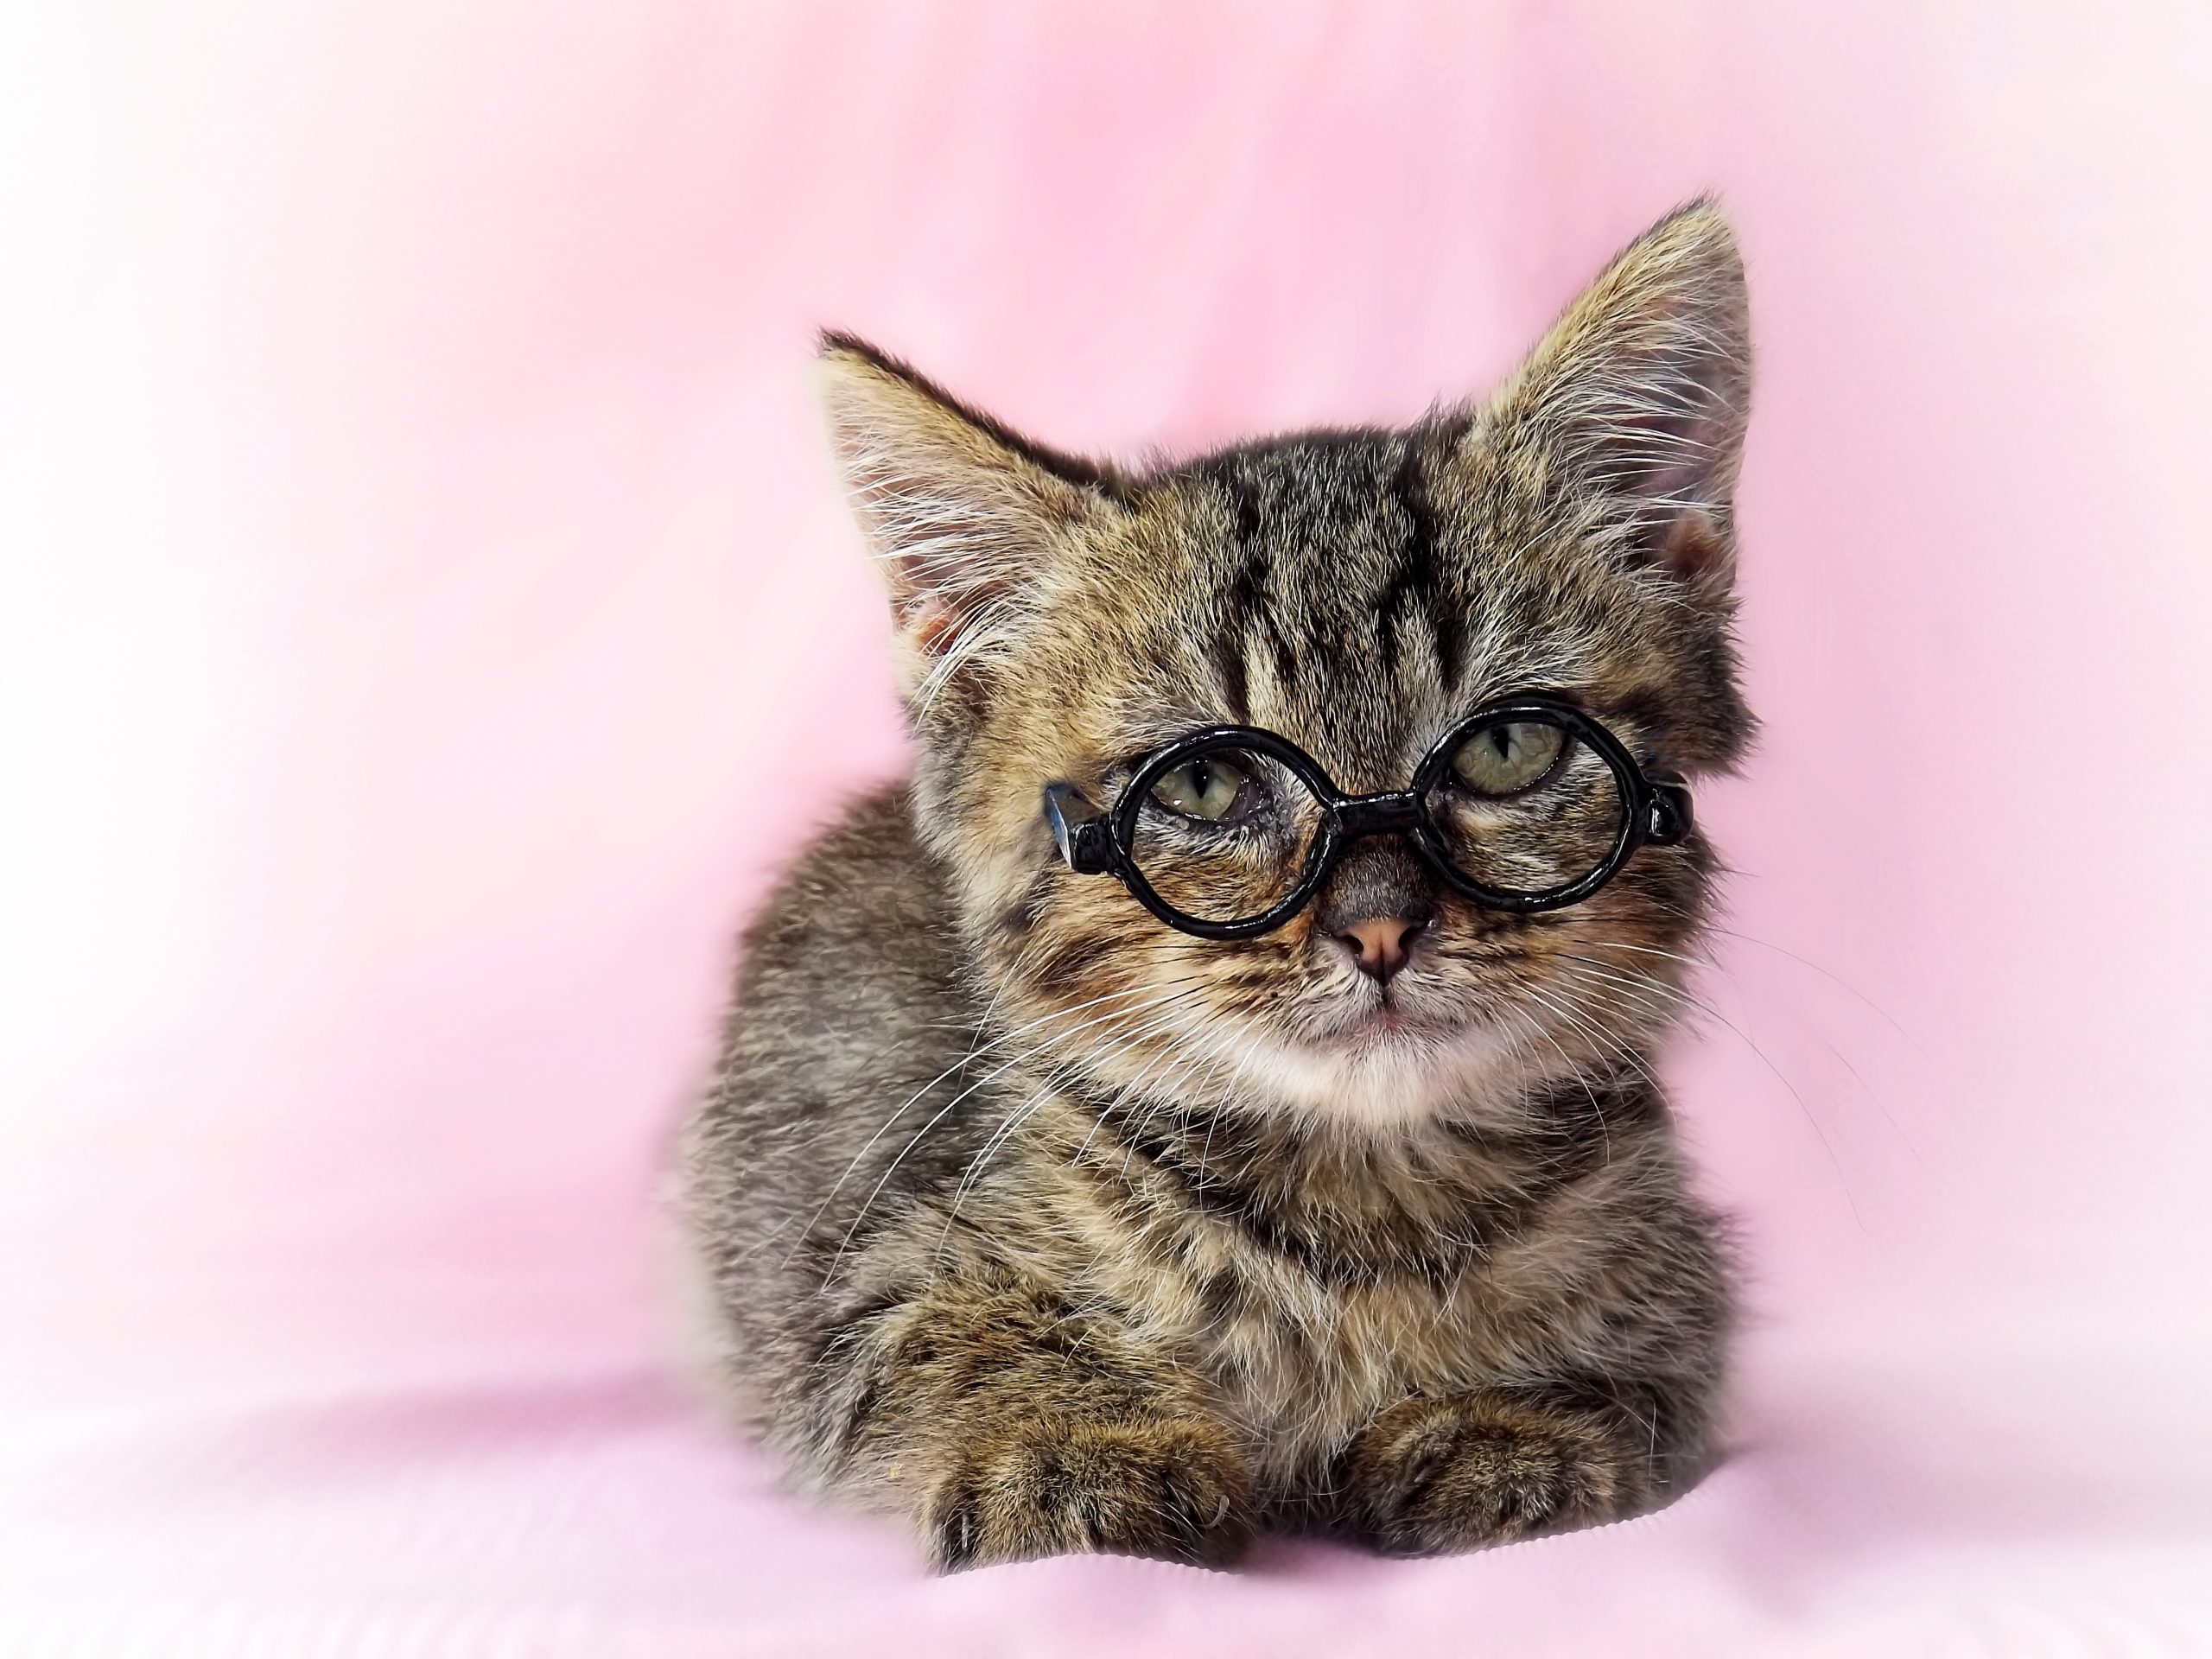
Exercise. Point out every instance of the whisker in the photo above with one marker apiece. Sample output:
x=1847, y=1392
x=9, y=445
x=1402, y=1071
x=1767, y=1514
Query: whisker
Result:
x=1828, y=1144
x=1837, y=1054
x=967, y=1058
x=944, y=1110
x=1605, y=1044
x=1121, y=1043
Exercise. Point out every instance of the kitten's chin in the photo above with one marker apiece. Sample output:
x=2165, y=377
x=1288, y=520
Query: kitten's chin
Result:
x=1389, y=1071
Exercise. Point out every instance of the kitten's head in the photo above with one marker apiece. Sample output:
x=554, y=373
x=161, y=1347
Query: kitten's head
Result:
x=1357, y=592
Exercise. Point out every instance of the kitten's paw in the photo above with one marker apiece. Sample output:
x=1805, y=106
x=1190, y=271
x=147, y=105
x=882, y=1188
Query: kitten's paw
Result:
x=1171, y=1488
x=1429, y=1477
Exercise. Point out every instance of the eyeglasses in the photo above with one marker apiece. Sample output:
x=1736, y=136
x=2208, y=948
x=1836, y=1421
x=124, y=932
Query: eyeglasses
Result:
x=1528, y=804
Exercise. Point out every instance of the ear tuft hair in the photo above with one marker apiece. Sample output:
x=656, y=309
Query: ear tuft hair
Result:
x=962, y=512
x=1642, y=389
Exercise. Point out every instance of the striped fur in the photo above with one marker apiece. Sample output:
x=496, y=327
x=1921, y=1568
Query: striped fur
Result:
x=1047, y=1228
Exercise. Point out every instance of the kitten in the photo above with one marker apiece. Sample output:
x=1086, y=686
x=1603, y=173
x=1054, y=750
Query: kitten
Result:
x=1047, y=1226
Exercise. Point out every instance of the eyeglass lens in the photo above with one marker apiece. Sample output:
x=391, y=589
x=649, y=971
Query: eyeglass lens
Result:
x=1225, y=834
x=1525, y=808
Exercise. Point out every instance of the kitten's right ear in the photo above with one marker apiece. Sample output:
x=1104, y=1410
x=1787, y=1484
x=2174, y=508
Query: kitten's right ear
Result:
x=961, y=512
x=1642, y=390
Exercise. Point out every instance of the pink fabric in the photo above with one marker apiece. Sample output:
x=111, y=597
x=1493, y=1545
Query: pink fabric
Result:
x=429, y=620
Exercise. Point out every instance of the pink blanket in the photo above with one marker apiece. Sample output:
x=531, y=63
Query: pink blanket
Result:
x=430, y=621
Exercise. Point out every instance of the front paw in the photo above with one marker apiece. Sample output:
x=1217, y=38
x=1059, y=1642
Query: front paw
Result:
x=1170, y=1488
x=1429, y=1477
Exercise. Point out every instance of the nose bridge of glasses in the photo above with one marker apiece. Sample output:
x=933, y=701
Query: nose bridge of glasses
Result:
x=1378, y=814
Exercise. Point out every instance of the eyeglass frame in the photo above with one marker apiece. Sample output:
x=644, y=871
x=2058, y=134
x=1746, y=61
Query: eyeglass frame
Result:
x=1093, y=840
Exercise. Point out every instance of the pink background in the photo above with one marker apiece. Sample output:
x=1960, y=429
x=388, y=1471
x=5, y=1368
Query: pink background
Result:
x=429, y=620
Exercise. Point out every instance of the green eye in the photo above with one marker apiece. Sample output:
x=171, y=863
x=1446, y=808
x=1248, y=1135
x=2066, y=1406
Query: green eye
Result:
x=1209, y=788
x=1510, y=757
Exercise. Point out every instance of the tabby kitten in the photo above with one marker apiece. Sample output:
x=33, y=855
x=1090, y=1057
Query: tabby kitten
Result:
x=1048, y=1225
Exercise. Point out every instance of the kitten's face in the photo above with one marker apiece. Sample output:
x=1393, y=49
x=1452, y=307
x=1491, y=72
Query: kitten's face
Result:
x=1360, y=593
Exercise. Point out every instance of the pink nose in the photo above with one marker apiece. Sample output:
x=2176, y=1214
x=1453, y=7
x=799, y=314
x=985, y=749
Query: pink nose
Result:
x=1381, y=944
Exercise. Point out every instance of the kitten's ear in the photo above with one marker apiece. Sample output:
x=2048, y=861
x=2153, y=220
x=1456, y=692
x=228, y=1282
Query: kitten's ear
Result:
x=961, y=512
x=1642, y=390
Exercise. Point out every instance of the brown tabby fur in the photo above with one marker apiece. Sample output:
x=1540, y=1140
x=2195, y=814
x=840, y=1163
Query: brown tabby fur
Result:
x=1048, y=1228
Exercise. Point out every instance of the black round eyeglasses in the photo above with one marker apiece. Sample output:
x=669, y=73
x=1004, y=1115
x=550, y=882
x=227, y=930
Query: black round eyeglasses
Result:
x=1527, y=804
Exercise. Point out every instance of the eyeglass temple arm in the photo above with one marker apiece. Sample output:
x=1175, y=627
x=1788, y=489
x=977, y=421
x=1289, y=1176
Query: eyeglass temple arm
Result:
x=1670, y=819
x=1079, y=829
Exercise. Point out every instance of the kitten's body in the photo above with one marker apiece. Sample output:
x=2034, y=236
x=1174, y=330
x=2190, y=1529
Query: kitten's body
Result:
x=1282, y=1288
x=1050, y=1229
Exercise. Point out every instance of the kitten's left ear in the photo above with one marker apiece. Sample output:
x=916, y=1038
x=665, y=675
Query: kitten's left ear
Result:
x=963, y=515
x=1642, y=389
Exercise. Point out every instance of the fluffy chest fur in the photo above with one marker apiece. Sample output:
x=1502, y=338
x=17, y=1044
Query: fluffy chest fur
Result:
x=1315, y=1284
